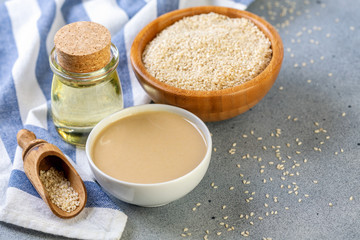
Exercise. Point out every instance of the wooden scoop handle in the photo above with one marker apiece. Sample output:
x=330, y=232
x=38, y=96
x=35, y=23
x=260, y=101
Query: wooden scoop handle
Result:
x=24, y=137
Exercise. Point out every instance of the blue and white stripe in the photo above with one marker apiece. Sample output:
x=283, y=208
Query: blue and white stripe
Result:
x=27, y=29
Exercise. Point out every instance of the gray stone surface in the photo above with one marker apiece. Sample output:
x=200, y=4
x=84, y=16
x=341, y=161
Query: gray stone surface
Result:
x=323, y=100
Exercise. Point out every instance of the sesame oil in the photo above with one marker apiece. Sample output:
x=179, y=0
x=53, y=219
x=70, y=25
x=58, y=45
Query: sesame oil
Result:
x=86, y=87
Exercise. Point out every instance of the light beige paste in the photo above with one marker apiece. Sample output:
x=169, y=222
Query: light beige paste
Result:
x=149, y=147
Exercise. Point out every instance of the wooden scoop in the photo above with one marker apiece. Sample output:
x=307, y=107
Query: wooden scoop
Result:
x=40, y=155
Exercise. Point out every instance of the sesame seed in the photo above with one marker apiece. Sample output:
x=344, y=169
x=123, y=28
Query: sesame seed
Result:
x=186, y=229
x=351, y=198
x=60, y=191
x=343, y=114
x=236, y=67
x=330, y=204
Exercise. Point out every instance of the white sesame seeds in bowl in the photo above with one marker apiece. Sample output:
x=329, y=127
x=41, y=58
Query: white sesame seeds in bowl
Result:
x=214, y=61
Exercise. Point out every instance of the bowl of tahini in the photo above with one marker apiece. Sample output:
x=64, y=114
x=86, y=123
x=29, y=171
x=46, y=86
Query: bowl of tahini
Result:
x=216, y=62
x=149, y=155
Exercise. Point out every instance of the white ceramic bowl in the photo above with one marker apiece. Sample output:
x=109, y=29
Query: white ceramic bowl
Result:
x=155, y=194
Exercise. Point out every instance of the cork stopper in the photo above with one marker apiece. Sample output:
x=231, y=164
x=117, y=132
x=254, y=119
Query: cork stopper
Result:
x=83, y=47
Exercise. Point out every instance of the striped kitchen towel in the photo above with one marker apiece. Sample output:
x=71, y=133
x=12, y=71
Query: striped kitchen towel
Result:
x=27, y=29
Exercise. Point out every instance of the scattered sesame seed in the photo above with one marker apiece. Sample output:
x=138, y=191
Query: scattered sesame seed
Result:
x=281, y=88
x=351, y=198
x=343, y=114
x=352, y=28
x=330, y=204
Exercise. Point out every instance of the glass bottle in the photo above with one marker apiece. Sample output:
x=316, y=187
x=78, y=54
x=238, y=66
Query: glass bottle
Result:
x=80, y=100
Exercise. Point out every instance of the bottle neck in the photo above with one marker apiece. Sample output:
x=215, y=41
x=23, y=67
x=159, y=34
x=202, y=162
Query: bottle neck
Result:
x=84, y=78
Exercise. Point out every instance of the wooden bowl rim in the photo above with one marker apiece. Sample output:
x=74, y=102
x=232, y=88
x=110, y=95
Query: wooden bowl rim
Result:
x=262, y=24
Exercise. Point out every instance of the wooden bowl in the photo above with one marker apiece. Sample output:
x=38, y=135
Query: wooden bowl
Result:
x=208, y=105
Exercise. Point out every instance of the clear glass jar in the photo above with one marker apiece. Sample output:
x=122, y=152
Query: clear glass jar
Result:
x=80, y=100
